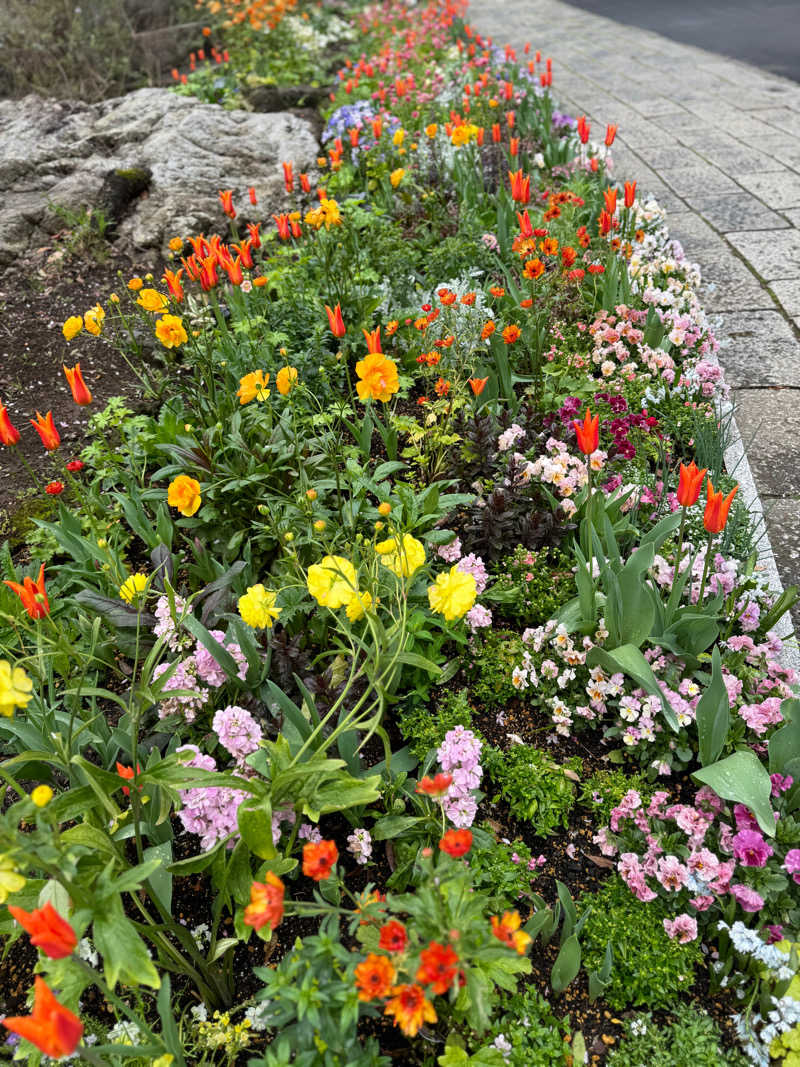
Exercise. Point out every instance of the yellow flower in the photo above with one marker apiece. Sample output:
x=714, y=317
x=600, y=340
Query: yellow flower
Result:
x=403, y=556
x=320, y=525
x=170, y=331
x=453, y=594
x=378, y=377
x=132, y=587
x=398, y=138
x=10, y=881
x=253, y=387
x=286, y=379
x=42, y=795
x=152, y=300
x=135, y=284
x=72, y=327
x=464, y=134
x=258, y=607
x=396, y=177
x=332, y=582
x=176, y=244
x=16, y=688
x=358, y=605
x=184, y=494
x=431, y=130
x=327, y=215
x=93, y=320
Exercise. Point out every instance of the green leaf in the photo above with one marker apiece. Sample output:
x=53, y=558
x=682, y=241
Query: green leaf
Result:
x=254, y=818
x=743, y=779
x=210, y=644
x=784, y=745
x=115, y=612
x=567, y=965
x=631, y=661
x=394, y=826
x=713, y=714
x=125, y=956
x=160, y=880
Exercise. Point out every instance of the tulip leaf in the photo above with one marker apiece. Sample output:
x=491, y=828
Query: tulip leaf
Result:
x=567, y=965
x=713, y=714
x=631, y=661
x=743, y=779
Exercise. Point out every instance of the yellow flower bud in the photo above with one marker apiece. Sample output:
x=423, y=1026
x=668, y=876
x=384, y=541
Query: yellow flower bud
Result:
x=42, y=795
x=320, y=525
x=114, y=299
x=288, y=536
x=384, y=508
x=311, y=494
x=379, y=525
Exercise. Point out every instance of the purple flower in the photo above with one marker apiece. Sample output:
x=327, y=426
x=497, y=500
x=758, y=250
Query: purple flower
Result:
x=475, y=566
x=359, y=843
x=792, y=864
x=682, y=928
x=750, y=849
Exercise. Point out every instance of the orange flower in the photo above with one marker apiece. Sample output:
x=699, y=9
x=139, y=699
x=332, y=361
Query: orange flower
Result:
x=508, y=931
x=447, y=297
x=183, y=493
x=46, y=429
x=286, y=379
x=717, y=508
x=9, y=435
x=434, y=787
x=336, y=322
x=52, y=1028
x=32, y=595
x=410, y=1009
x=48, y=931
x=520, y=186
x=373, y=339
x=288, y=177
x=468, y=299
x=477, y=385
x=689, y=484
x=374, y=977
x=511, y=333
x=318, y=859
x=252, y=194
x=173, y=280
x=80, y=393
x=282, y=222
x=611, y=133
x=128, y=773
x=568, y=256
x=437, y=967
x=588, y=433
x=497, y=291
x=456, y=843
x=442, y=387
x=534, y=269
x=393, y=937
x=610, y=198
x=488, y=329
x=378, y=379
x=391, y=327
x=266, y=903
x=226, y=199
x=630, y=193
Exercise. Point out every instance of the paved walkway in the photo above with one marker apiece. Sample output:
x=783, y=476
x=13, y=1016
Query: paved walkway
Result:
x=717, y=142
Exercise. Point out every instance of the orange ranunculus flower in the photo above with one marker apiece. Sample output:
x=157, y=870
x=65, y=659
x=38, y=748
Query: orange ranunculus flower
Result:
x=689, y=484
x=534, y=268
x=170, y=331
x=32, y=595
x=431, y=130
x=511, y=333
x=253, y=386
x=152, y=300
x=456, y=843
x=477, y=385
x=374, y=977
x=717, y=508
x=508, y=931
x=335, y=320
x=437, y=967
x=410, y=1009
x=393, y=937
x=184, y=494
x=319, y=858
x=9, y=435
x=488, y=329
x=286, y=379
x=266, y=903
x=396, y=177
x=46, y=429
x=52, y=1028
x=80, y=392
x=436, y=786
x=48, y=931
x=378, y=378
x=373, y=339
x=588, y=433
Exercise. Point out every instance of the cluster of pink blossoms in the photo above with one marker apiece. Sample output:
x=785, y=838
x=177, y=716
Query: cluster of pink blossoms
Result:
x=190, y=672
x=459, y=755
x=478, y=616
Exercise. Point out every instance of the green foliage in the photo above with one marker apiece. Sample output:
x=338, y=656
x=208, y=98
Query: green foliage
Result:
x=535, y=787
x=424, y=725
x=606, y=788
x=649, y=968
x=84, y=232
x=496, y=654
x=692, y=1039
x=495, y=870
x=531, y=585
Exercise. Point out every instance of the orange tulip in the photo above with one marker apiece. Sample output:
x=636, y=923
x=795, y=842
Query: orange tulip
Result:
x=255, y=236
x=252, y=194
x=496, y=133
x=520, y=186
x=48, y=931
x=32, y=594
x=288, y=177
x=610, y=197
x=52, y=1028
x=525, y=227
x=45, y=427
x=9, y=435
x=305, y=183
x=282, y=222
x=477, y=385
x=336, y=322
x=611, y=133
x=373, y=339
x=80, y=393
x=717, y=508
x=689, y=484
x=588, y=433
x=630, y=193
x=226, y=199
x=513, y=146
x=173, y=280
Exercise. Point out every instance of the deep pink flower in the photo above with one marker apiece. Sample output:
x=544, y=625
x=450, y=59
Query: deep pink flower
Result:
x=750, y=848
x=748, y=899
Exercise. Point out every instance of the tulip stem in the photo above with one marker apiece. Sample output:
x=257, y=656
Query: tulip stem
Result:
x=706, y=564
x=28, y=467
x=679, y=551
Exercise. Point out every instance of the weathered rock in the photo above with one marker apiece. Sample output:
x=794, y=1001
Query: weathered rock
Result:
x=153, y=160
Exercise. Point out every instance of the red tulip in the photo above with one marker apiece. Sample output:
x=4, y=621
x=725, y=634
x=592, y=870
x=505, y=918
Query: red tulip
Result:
x=630, y=193
x=48, y=931
x=173, y=280
x=252, y=194
x=520, y=186
x=373, y=339
x=611, y=133
x=610, y=197
x=689, y=484
x=52, y=1028
x=288, y=177
x=9, y=435
x=717, y=508
x=226, y=199
x=588, y=433
x=45, y=427
x=477, y=385
x=80, y=393
x=32, y=595
x=436, y=786
x=336, y=322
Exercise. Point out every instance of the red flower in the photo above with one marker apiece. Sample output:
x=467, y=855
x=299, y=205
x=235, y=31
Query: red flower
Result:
x=456, y=843
x=588, y=433
x=434, y=787
x=288, y=177
x=511, y=333
x=630, y=193
x=32, y=595
x=282, y=222
x=45, y=427
x=255, y=236
x=596, y=268
x=373, y=339
x=717, y=508
x=80, y=393
x=54, y=488
x=74, y=465
x=266, y=903
x=689, y=484
x=477, y=385
x=410, y=1008
x=226, y=199
x=437, y=967
x=520, y=186
x=305, y=184
x=252, y=194
x=336, y=322
x=319, y=859
x=374, y=977
x=525, y=228
x=52, y=1028
x=173, y=280
x=611, y=133
x=393, y=937
x=127, y=774
x=9, y=435
x=48, y=931
x=610, y=198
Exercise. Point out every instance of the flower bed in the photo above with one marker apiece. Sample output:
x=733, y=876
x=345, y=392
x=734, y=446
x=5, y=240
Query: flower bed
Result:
x=405, y=687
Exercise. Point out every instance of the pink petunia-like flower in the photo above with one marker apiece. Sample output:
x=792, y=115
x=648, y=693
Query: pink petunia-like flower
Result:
x=683, y=928
x=747, y=898
x=671, y=873
x=791, y=864
x=750, y=849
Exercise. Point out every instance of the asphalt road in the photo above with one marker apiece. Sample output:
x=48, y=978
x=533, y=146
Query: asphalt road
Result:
x=765, y=33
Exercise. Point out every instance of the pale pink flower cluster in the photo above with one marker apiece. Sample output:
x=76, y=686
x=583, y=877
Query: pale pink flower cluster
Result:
x=207, y=667
x=237, y=731
x=183, y=677
x=459, y=755
x=167, y=622
x=209, y=811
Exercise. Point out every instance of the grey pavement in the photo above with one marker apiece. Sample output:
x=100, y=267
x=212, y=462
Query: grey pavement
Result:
x=717, y=142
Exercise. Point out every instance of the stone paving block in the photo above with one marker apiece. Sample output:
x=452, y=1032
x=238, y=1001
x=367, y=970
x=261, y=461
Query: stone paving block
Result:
x=781, y=119
x=772, y=253
x=787, y=292
x=692, y=231
x=776, y=188
x=702, y=180
x=774, y=465
x=734, y=295
x=737, y=211
x=683, y=121
x=760, y=349
x=669, y=156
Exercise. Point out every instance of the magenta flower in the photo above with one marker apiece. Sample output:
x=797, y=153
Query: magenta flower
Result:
x=792, y=864
x=748, y=899
x=750, y=849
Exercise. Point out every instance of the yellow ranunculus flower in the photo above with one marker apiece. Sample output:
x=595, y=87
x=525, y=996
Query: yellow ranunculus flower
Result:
x=327, y=215
x=286, y=380
x=402, y=555
x=396, y=177
x=398, y=137
x=258, y=607
x=93, y=320
x=332, y=582
x=152, y=300
x=378, y=378
x=10, y=881
x=253, y=387
x=358, y=605
x=464, y=134
x=135, y=284
x=170, y=331
x=184, y=494
x=176, y=244
x=132, y=587
x=42, y=795
x=431, y=130
x=72, y=327
x=453, y=593
x=16, y=688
